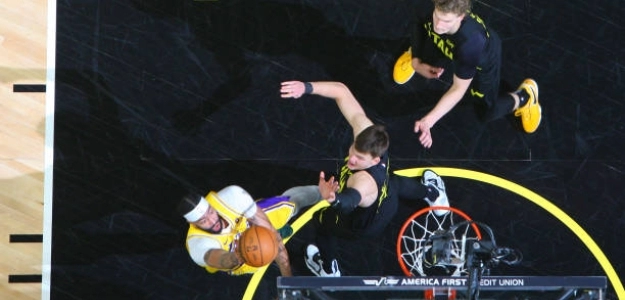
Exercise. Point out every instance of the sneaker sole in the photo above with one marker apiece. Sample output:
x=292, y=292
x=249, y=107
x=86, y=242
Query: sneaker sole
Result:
x=312, y=270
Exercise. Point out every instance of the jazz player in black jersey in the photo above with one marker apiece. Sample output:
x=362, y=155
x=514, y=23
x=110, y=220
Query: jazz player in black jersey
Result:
x=368, y=191
x=451, y=33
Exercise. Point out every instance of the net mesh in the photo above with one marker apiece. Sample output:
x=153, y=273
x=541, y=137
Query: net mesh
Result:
x=415, y=242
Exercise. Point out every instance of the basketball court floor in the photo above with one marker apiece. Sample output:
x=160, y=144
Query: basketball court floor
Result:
x=151, y=98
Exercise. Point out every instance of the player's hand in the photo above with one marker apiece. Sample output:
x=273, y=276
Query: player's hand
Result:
x=328, y=188
x=426, y=70
x=436, y=72
x=292, y=89
x=424, y=128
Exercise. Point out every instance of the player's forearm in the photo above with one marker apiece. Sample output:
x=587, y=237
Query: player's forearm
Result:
x=261, y=219
x=329, y=89
x=421, y=68
x=282, y=260
x=444, y=105
x=416, y=64
x=447, y=102
x=340, y=93
x=222, y=259
x=346, y=102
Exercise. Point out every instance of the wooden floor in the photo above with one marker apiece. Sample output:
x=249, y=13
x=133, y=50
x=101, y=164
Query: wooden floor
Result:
x=22, y=132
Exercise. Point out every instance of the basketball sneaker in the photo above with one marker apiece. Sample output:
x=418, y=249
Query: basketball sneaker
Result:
x=403, y=71
x=432, y=179
x=531, y=112
x=315, y=263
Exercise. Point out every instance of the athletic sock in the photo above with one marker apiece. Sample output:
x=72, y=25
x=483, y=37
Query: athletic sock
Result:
x=523, y=97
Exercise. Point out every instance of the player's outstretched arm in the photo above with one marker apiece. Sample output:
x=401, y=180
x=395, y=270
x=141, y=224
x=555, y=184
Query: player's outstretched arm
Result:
x=444, y=105
x=222, y=259
x=345, y=100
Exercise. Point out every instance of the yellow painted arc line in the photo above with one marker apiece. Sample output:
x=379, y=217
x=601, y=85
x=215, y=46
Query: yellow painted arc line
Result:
x=490, y=179
x=297, y=225
x=540, y=201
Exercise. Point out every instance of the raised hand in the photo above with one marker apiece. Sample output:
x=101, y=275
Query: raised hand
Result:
x=328, y=188
x=292, y=89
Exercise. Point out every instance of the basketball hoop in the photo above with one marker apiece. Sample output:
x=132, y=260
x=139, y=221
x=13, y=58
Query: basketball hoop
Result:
x=415, y=241
x=419, y=235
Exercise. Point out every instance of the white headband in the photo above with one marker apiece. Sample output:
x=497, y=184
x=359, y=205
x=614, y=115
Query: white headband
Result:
x=197, y=212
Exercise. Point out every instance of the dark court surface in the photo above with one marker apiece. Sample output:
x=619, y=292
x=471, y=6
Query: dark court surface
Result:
x=154, y=97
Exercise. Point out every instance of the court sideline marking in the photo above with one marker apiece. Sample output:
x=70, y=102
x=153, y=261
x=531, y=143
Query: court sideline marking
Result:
x=48, y=156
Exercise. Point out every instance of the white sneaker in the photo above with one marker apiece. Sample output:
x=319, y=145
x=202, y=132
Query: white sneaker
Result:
x=314, y=262
x=433, y=180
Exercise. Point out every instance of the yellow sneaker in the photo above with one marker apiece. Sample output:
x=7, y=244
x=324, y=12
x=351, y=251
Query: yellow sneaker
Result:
x=403, y=71
x=531, y=112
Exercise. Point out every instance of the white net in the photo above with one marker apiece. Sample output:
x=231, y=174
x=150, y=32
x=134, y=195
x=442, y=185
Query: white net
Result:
x=417, y=237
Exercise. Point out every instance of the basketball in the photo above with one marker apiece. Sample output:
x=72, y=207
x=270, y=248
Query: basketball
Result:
x=258, y=246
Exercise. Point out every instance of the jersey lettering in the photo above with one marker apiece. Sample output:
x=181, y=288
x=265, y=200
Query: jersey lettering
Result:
x=445, y=45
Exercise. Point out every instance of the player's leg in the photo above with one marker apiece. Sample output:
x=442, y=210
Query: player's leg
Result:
x=303, y=196
x=433, y=181
x=320, y=257
x=484, y=88
x=484, y=91
x=431, y=188
x=523, y=102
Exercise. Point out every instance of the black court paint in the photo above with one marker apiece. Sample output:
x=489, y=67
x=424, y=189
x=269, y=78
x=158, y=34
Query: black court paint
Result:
x=26, y=238
x=26, y=278
x=29, y=88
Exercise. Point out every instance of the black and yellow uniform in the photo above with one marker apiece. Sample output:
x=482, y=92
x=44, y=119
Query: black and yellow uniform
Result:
x=362, y=222
x=365, y=222
x=474, y=51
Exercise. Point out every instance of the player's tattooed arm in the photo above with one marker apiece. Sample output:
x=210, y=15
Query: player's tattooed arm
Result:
x=221, y=259
x=282, y=260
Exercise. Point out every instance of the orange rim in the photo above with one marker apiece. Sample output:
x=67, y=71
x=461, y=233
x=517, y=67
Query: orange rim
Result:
x=419, y=213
